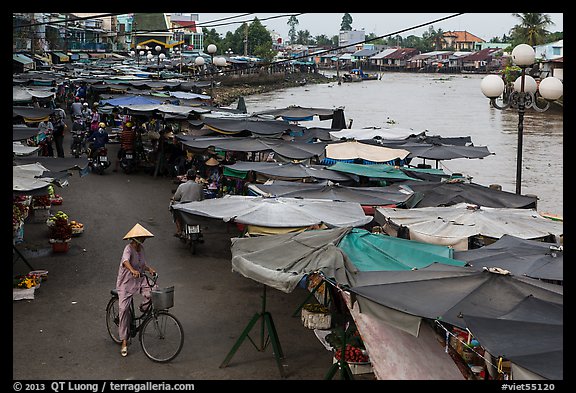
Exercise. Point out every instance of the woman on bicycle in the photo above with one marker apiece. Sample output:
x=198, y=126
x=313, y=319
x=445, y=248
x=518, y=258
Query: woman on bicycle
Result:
x=130, y=280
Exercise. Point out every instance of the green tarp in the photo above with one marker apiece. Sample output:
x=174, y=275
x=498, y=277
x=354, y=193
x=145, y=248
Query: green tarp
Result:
x=373, y=252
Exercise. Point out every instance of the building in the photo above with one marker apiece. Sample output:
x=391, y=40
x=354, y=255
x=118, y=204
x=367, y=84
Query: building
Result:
x=460, y=41
x=350, y=38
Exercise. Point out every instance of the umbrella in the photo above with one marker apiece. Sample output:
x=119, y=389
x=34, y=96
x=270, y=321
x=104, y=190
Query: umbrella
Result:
x=278, y=212
x=521, y=257
x=454, y=225
x=530, y=336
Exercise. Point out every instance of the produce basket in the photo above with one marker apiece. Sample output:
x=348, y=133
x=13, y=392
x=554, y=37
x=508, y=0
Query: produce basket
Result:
x=316, y=316
x=356, y=358
x=163, y=298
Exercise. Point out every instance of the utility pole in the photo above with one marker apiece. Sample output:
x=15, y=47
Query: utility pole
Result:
x=246, y=40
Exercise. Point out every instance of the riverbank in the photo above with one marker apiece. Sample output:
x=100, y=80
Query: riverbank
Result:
x=226, y=94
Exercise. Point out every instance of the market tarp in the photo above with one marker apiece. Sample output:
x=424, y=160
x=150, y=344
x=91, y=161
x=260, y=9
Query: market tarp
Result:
x=278, y=212
x=270, y=128
x=454, y=225
x=437, y=151
x=20, y=149
x=55, y=164
x=384, y=171
x=285, y=171
x=372, y=251
x=29, y=179
x=150, y=109
x=31, y=114
x=282, y=261
x=359, y=134
x=290, y=149
x=365, y=196
x=521, y=257
x=298, y=113
x=445, y=293
x=21, y=132
x=451, y=193
x=530, y=336
x=25, y=94
x=350, y=150
x=129, y=100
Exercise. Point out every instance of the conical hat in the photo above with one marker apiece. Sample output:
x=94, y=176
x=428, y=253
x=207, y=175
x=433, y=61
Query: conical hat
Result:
x=138, y=231
x=212, y=162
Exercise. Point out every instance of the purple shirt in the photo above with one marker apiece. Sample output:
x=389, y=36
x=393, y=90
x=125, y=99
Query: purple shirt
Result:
x=125, y=280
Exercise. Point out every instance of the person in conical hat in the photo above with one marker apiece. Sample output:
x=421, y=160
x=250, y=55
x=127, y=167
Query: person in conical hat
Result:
x=130, y=281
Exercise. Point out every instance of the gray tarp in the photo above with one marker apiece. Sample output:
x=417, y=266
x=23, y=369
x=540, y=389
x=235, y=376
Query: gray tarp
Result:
x=367, y=196
x=21, y=132
x=270, y=128
x=278, y=212
x=521, y=257
x=531, y=336
x=447, y=193
x=454, y=225
x=290, y=171
x=265, y=258
x=289, y=149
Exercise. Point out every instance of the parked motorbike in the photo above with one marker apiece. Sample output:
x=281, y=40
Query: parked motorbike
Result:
x=99, y=161
x=78, y=124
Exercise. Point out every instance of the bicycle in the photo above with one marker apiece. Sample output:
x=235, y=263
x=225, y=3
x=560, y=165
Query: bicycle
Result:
x=160, y=333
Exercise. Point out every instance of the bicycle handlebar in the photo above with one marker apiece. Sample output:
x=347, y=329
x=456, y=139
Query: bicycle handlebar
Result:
x=150, y=278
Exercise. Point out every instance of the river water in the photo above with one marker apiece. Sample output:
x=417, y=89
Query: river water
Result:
x=446, y=105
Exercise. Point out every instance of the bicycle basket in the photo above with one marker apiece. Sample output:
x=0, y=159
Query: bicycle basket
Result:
x=163, y=298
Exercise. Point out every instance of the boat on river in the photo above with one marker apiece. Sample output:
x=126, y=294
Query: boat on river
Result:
x=357, y=75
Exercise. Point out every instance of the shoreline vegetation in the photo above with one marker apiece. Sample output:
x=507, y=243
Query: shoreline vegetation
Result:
x=228, y=92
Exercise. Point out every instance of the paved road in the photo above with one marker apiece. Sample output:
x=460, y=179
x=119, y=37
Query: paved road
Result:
x=61, y=333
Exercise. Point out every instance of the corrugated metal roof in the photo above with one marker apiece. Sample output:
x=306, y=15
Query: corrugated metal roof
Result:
x=20, y=58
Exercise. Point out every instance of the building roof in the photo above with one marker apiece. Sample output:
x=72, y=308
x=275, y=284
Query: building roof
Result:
x=384, y=53
x=482, y=54
x=190, y=25
x=402, y=53
x=463, y=36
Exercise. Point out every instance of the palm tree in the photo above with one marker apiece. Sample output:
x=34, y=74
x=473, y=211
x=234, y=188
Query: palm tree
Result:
x=532, y=29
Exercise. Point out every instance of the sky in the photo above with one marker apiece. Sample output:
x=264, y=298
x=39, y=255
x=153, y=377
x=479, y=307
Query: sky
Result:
x=482, y=25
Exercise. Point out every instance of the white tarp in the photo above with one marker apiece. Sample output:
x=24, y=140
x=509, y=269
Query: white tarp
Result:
x=370, y=133
x=278, y=212
x=21, y=149
x=24, y=177
x=352, y=150
x=453, y=225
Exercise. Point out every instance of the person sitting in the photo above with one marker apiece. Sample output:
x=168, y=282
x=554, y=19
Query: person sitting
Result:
x=98, y=139
x=189, y=191
x=127, y=138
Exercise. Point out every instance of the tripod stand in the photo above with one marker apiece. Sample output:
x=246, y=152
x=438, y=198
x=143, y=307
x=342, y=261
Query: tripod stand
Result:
x=272, y=337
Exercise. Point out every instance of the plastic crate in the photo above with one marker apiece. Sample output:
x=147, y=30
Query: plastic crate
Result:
x=163, y=298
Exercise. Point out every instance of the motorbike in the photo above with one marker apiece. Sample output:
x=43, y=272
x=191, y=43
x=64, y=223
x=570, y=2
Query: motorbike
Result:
x=128, y=162
x=99, y=160
x=77, y=148
x=192, y=236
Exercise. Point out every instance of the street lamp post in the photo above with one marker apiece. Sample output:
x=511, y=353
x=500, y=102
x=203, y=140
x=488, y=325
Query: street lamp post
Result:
x=199, y=62
x=523, y=96
x=211, y=50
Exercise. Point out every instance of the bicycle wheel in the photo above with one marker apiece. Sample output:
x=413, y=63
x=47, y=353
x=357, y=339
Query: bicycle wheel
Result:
x=113, y=319
x=162, y=337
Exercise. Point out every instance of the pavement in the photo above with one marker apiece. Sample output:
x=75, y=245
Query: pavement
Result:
x=61, y=333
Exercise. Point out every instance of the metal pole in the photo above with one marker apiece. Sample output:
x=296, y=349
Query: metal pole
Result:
x=521, y=110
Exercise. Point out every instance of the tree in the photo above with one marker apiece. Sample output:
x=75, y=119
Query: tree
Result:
x=322, y=40
x=303, y=38
x=346, y=24
x=531, y=30
x=292, y=22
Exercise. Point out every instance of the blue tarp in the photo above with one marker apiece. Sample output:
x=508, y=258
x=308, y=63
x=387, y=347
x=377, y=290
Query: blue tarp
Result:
x=131, y=100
